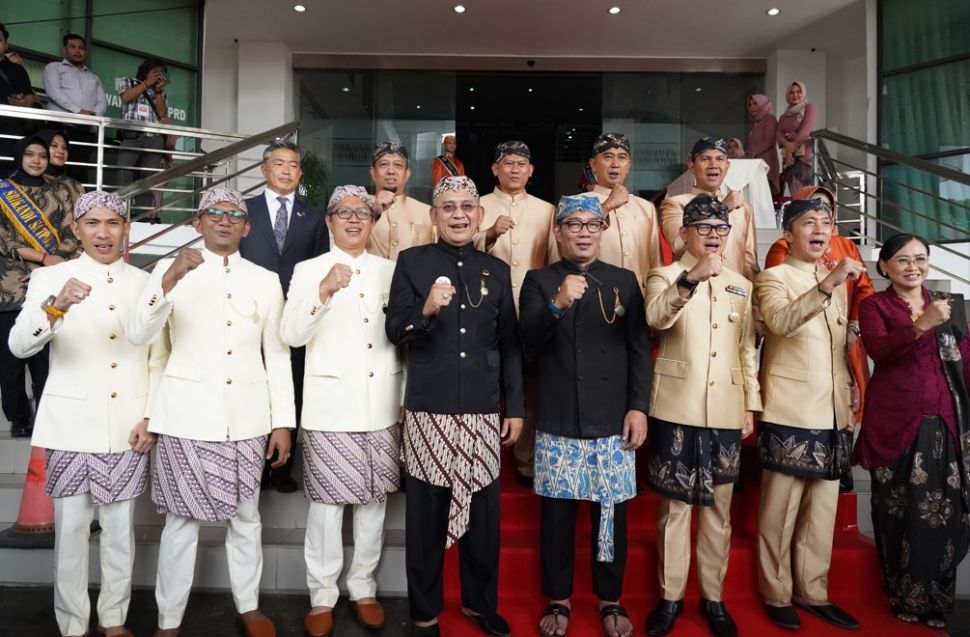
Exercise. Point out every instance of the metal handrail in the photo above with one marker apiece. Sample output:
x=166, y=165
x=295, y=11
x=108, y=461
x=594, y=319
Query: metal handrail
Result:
x=894, y=157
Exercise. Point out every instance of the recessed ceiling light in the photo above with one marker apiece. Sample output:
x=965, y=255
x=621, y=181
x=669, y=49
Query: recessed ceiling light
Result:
x=773, y=11
x=345, y=89
x=580, y=109
x=419, y=107
x=299, y=8
x=471, y=108
x=471, y=89
x=459, y=8
x=615, y=10
x=530, y=90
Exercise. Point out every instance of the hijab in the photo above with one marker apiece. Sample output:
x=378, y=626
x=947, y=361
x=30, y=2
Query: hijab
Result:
x=48, y=135
x=764, y=107
x=18, y=175
x=798, y=109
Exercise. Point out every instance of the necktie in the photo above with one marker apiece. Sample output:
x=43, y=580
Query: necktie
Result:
x=279, y=228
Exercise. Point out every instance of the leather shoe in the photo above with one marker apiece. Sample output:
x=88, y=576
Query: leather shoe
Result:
x=661, y=619
x=425, y=631
x=783, y=616
x=22, y=429
x=256, y=624
x=494, y=624
x=319, y=624
x=832, y=614
x=125, y=633
x=370, y=614
x=718, y=619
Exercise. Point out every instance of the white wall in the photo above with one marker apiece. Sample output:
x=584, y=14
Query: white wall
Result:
x=788, y=65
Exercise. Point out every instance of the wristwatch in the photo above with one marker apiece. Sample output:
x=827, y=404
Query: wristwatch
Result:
x=684, y=282
x=48, y=306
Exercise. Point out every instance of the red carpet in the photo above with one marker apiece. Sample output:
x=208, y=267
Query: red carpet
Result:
x=854, y=576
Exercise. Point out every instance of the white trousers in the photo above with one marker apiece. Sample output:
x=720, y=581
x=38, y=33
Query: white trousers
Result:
x=72, y=524
x=324, y=551
x=176, y=562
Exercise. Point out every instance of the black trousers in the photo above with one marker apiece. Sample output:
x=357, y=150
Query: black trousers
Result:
x=426, y=517
x=297, y=362
x=13, y=378
x=558, y=549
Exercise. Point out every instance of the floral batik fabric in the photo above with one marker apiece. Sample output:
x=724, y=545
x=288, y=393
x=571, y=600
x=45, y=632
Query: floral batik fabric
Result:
x=595, y=469
x=805, y=453
x=686, y=462
x=921, y=524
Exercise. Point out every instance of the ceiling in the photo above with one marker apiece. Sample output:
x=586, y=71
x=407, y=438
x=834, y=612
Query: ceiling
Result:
x=541, y=28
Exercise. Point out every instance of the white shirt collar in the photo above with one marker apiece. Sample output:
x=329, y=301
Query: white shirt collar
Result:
x=272, y=200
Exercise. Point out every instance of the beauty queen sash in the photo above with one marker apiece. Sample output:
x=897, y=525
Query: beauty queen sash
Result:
x=27, y=218
x=449, y=165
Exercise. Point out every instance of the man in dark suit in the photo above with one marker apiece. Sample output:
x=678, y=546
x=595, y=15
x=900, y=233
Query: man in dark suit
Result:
x=284, y=232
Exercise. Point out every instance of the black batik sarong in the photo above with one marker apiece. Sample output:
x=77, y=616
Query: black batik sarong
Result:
x=921, y=524
x=805, y=453
x=686, y=462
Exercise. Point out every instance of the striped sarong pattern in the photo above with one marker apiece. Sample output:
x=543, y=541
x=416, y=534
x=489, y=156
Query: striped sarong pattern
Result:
x=107, y=477
x=206, y=480
x=459, y=451
x=351, y=467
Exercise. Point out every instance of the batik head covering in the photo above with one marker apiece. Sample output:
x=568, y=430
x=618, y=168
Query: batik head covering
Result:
x=606, y=141
x=763, y=104
x=454, y=183
x=512, y=147
x=212, y=196
x=390, y=148
x=100, y=199
x=342, y=192
x=704, y=207
x=708, y=143
x=578, y=203
x=793, y=210
x=798, y=108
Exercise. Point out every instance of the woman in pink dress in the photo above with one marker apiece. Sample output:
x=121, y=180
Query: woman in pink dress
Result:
x=761, y=140
x=793, y=137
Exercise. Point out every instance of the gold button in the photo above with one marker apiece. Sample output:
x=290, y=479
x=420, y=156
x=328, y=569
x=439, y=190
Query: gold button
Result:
x=711, y=383
x=229, y=381
x=356, y=271
x=393, y=243
x=228, y=295
x=114, y=394
x=113, y=365
x=620, y=215
x=713, y=298
x=110, y=280
x=228, y=323
x=111, y=307
x=515, y=285
x=228, y=352
x=361, y=295
x=462, y=354
x=366, y=320
x=714, y=326
x=370, y=374
x=626, y=254
x=515, y=242
x=370, y=346
x=112, y=336
x=713, y=354
x=623, y=234
x=394, y=224
x=227, y=270
x=515, y=263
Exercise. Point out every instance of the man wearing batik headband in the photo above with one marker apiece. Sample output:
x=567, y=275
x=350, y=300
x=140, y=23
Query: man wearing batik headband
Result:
x=451, y=304
x=632, y=238
x=404, y=221
x=224, y=405
x=351, y=406
x=709, y=163
x=583, y=319
x=518, y=230
x=93, y=416
x=705, y=393
x=805, y=433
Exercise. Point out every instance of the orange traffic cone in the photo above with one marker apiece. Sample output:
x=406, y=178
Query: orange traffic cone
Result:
x=35, y=522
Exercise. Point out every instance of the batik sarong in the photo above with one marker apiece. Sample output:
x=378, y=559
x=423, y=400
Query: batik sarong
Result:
x=351, y=467
x=686, y=462
x=107, y=477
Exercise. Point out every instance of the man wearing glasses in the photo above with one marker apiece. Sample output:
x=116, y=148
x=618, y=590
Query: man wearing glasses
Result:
x=351, y=431
x=709, y=163
x=583, y=319
x=705, y=393
x=451, y=304
x=224, y=405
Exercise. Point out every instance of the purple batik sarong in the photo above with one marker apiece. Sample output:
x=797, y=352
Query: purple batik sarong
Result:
x=206, y=480
x=107, y=477
x=351, y=467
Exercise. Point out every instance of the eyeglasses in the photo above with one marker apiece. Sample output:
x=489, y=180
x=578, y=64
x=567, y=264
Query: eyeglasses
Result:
x=704, y=229
x=235, y=216
x=575, y=226
x=451, y=208
x=905, y=262
x=363, y=214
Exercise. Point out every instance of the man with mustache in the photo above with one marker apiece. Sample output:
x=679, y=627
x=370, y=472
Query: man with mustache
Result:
x=404, y=220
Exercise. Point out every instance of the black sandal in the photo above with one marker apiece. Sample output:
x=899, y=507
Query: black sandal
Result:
x=615, y=611
x=556, y=611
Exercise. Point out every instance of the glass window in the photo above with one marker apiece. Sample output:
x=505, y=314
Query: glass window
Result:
x=916, y=31
x=163, y=28
x=900, y=197
x=39, y=25
x=114, y=66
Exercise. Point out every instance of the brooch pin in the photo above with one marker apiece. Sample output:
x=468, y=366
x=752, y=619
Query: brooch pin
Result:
x=733, y=289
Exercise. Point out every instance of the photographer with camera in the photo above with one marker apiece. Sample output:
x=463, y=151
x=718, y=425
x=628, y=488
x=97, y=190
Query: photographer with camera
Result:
x=143, y=99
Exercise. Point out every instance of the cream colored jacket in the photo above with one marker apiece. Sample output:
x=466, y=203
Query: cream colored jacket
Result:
x=706, y=372
x=407, y=223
